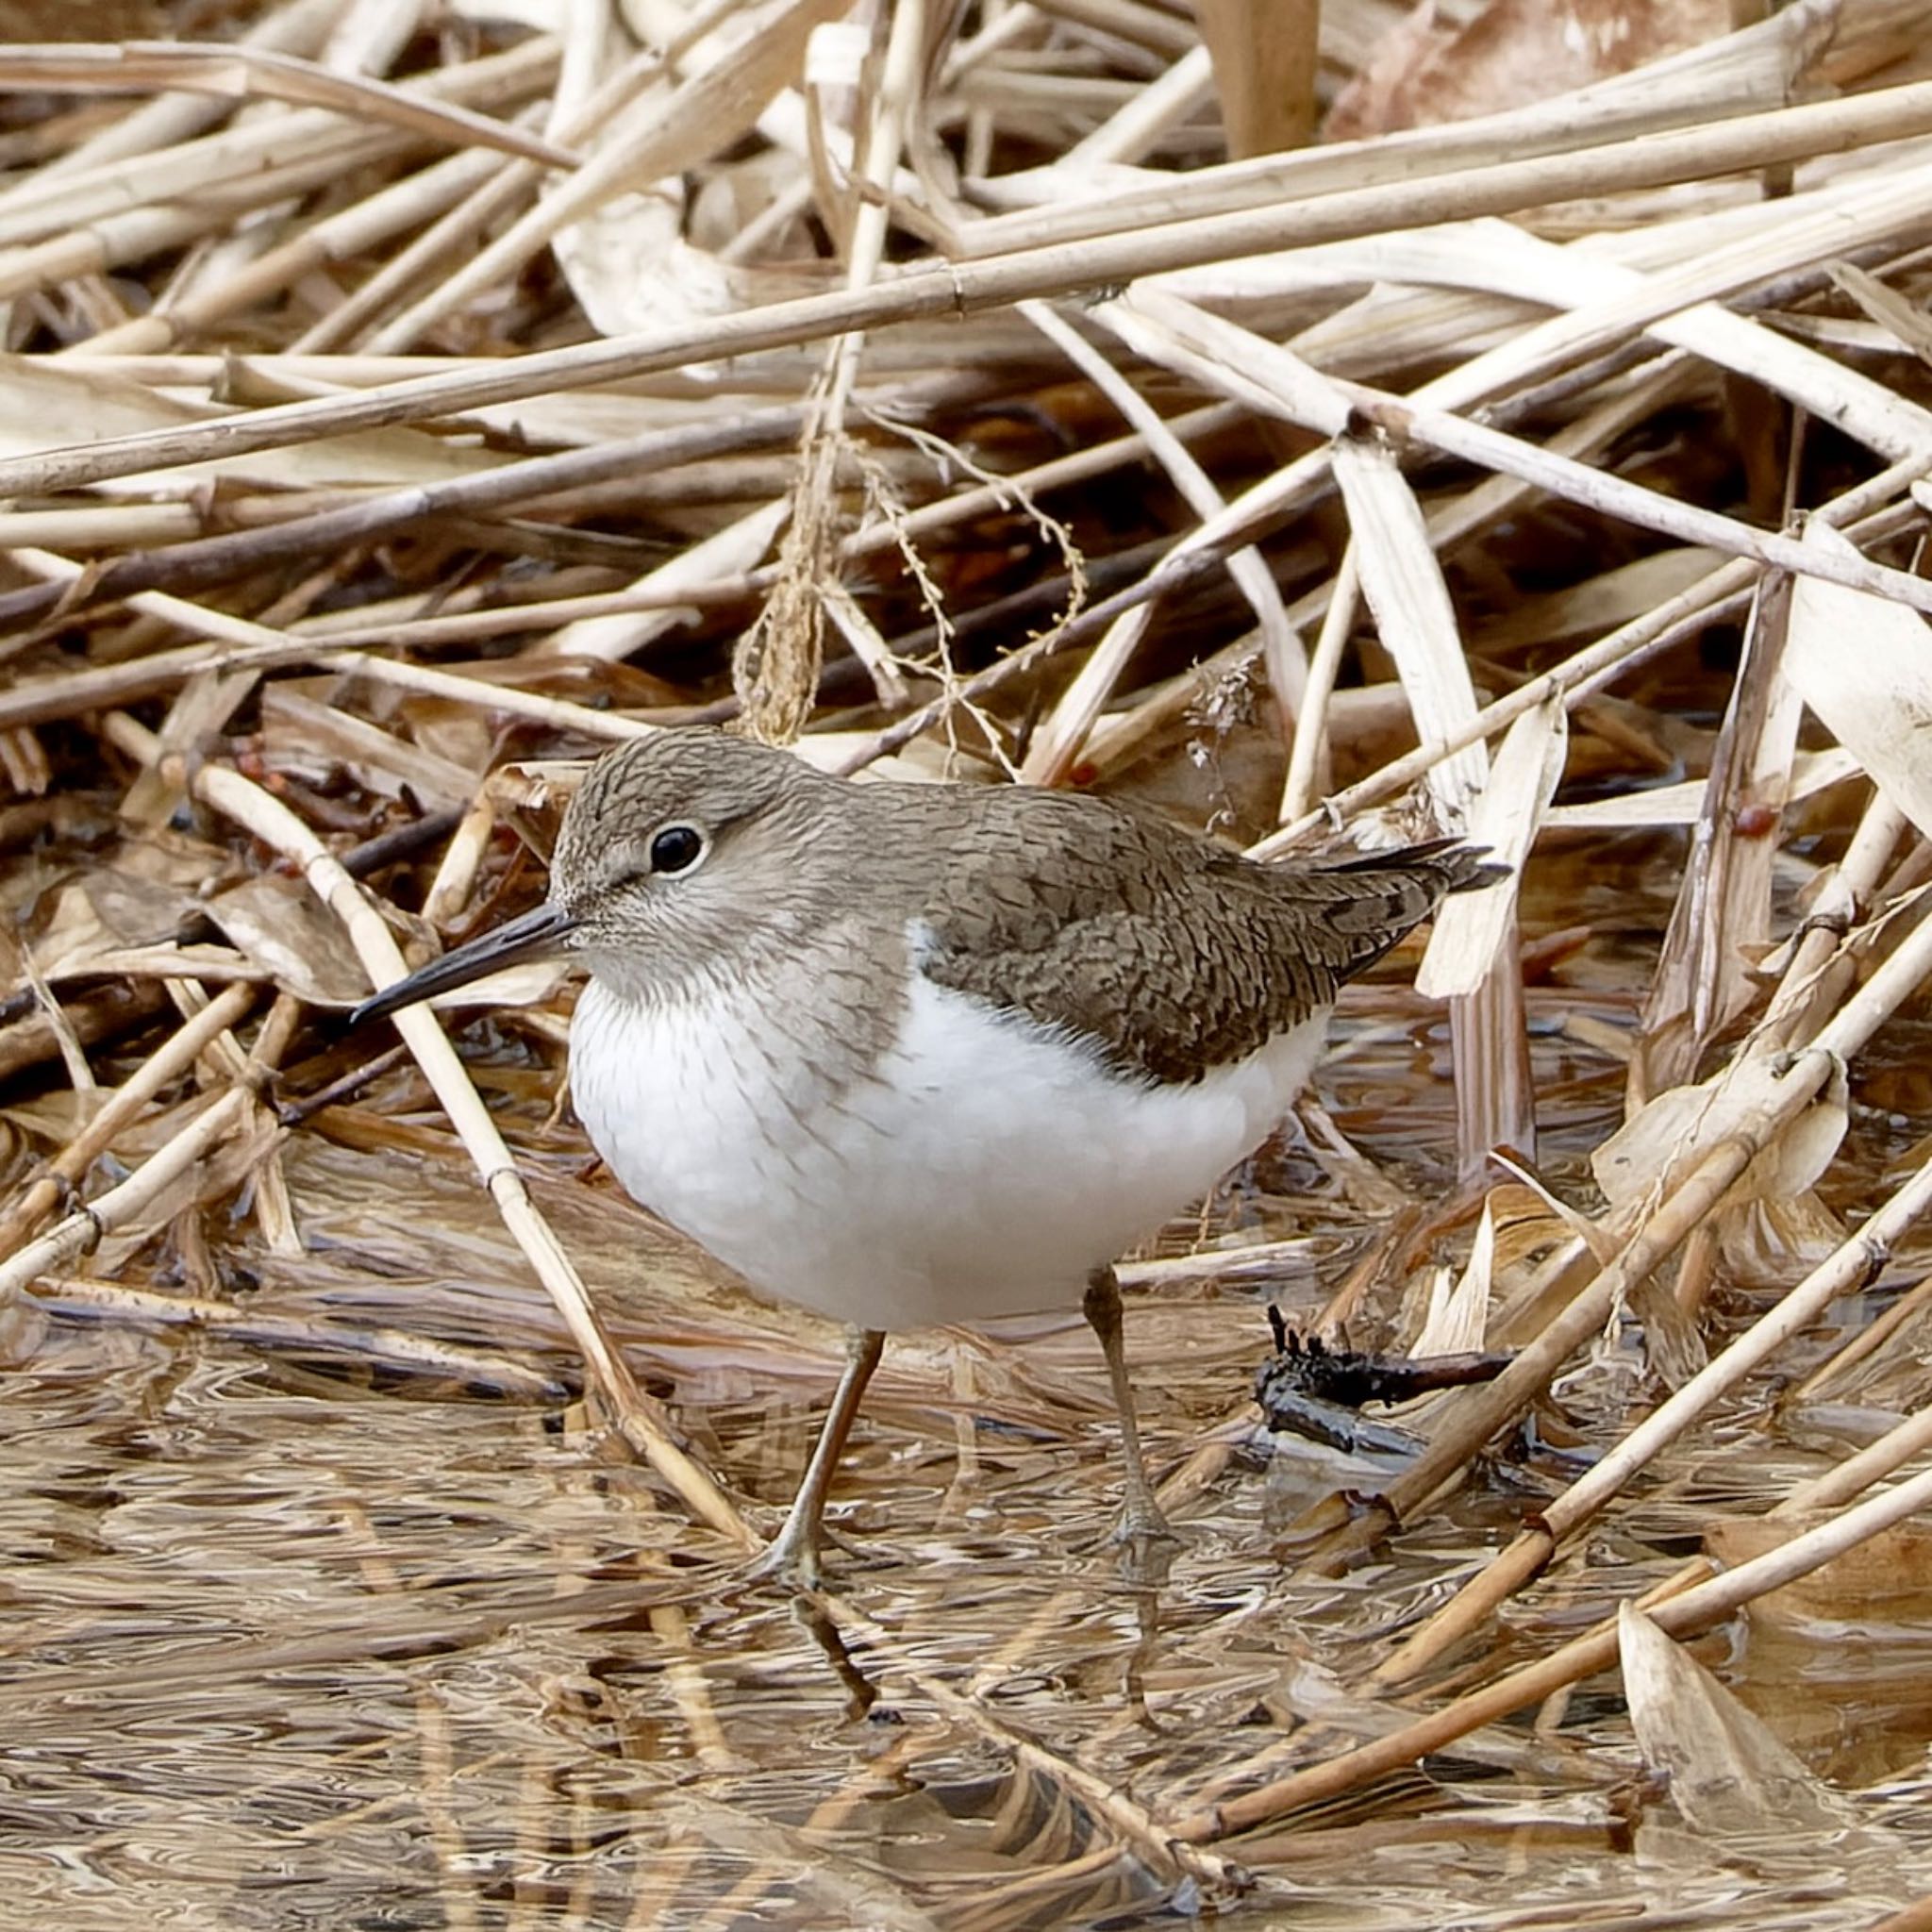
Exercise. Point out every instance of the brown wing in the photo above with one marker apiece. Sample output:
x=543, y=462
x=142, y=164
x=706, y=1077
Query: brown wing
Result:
x=1174, y=956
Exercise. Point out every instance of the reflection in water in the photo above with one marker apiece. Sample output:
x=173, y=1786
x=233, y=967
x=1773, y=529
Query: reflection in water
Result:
x=312, y=1639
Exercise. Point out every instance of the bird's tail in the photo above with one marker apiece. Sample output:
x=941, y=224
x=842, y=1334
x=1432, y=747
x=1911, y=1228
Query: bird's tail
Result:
x=1447, y=864
x=1375, y=899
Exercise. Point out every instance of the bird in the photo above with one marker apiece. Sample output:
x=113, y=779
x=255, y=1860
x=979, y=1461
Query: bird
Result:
x=909, y=1054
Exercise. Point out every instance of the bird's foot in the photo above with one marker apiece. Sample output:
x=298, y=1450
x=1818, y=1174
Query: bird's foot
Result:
x=794, y=1558
x=1144, y=1554
x=1144, y=1524
x=1146, y=1544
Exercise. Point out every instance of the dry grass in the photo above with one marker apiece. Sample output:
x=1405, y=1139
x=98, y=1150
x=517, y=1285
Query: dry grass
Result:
x=397, y=404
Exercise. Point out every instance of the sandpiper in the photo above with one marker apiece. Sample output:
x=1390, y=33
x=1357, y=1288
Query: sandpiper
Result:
x=909, y=1054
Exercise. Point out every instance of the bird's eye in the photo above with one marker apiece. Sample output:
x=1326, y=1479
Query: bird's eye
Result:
x=676, y=849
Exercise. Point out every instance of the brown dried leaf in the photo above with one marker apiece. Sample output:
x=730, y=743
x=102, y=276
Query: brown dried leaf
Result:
x=104, y=911
x=280, y=925
x=1514, y=52
x=1727, y=1772
x=1659, y=1143
x=301, y=735
x=1885, y=1581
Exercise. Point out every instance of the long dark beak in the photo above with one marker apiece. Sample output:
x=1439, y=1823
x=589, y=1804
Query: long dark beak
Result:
x=535, y=935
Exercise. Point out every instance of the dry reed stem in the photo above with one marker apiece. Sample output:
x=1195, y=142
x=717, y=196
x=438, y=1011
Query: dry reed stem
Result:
x=1853, y=1264
x=1686, y=1613
x=1868, y=1342
x=1265, y=58
x=1819, y=967
x=211, y=559
x=1308, y=752
x=1592, y=670
x=637, y=1415
x=1252, y=367
x=339, y=238
x=1762, y=67
x=1305, y=394
x=172, y=1058
x=1723, y=903
x=74, y=692
x=1791, y=135
x=80, y=1232
x=90, y=228
x=263, y=73
x=1709, y=1173
x=274, y=1210
x=1647, y=508
x=298, y=29
x=1815, y=962
x=44, y=203
x=708, y=109
x=409, y=269
x=1456, y=522
x=1058, y=740
x=105, y=1301
x=776, y=665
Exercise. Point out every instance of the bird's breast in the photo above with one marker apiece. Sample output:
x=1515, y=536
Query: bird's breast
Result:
x=961, y=1164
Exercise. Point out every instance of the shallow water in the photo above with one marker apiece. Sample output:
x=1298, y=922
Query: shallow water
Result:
x=300, y=1638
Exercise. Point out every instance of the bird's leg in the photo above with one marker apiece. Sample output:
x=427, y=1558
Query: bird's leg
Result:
x=1140, y=1517
x=793, y=1553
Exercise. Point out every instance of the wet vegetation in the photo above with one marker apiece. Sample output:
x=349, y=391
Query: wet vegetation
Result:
x=405, y=402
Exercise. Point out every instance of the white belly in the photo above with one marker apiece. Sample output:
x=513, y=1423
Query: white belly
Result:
x=983, y=1172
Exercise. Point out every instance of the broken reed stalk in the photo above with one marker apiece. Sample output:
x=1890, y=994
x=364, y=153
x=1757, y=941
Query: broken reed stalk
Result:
x=1251, y=367
x=81, y=1231
x=1686, y=1613
x=638, y=1417
x=166, y=1064
x=1820, y=959
x=1471, y=1417
x=254, y=1329
x=1594, y=669
x=263, y=73
x=1852, y=1265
